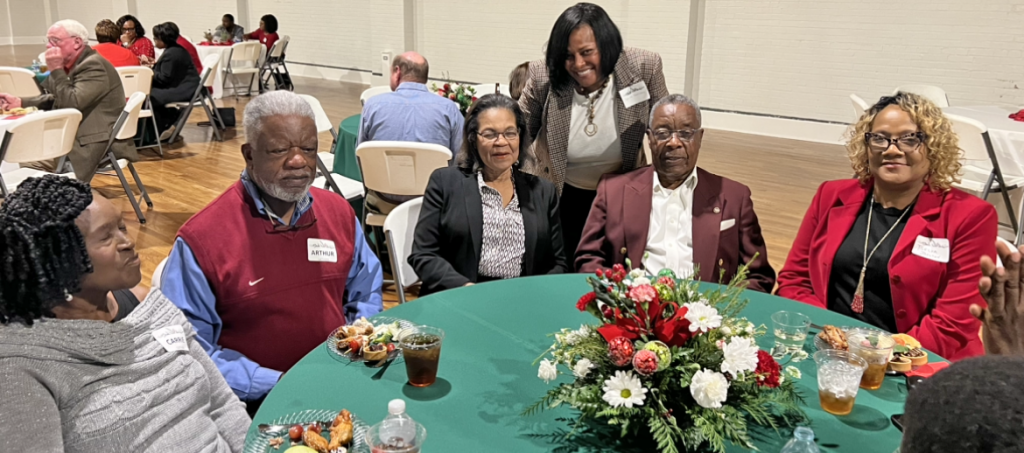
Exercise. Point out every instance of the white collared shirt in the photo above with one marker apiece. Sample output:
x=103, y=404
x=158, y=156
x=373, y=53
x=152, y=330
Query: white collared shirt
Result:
x=670, y=234
x=590, y=157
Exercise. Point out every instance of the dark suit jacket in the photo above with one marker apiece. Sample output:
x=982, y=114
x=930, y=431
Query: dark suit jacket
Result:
x=929, y=298
x=551, y=109
x=174, y=76
x=94, y=88
x=446, y=250
x=621, y=215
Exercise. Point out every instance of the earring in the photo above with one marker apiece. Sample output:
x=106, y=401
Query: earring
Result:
x=67, y=296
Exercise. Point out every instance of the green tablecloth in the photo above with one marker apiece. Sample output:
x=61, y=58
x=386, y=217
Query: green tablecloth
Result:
x=494, y=332
x=345, y=151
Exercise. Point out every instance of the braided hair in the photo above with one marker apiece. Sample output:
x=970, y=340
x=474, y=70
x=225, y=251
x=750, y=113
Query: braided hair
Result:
x=42, y=252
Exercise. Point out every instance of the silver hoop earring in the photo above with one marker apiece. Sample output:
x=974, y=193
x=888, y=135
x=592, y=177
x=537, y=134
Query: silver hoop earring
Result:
x=67, y=296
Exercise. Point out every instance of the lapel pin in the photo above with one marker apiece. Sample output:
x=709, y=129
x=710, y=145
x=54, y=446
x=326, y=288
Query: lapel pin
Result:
x=622, y=251
x=716, y=210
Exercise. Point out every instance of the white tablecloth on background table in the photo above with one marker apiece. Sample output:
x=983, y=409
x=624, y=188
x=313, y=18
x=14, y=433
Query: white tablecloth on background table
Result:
x=218, y=77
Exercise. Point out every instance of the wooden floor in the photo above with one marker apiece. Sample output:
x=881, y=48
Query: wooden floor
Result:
x=782, y=174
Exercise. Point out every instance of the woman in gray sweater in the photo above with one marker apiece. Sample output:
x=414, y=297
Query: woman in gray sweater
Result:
x=83, y=365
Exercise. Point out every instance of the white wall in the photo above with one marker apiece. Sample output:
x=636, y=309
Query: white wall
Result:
x=193, y=17
x=5, y=24
x=28, y=21
x=89, y=13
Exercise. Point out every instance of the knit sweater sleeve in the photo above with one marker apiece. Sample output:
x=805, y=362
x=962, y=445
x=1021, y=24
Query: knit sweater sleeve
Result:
x=29, y=417
x=226, y=410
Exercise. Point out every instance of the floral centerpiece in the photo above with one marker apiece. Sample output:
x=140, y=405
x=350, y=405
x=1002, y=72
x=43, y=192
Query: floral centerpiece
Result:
x=669, y=362
x=462, y=95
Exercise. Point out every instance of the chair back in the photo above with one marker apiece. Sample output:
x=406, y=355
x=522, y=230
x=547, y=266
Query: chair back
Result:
x=136, y=79
x=128, y=123
x=932, y=93
x=973, y=138
x=158, y=275
x=323, y=123
x=210, y=64
x=245, y=54
x=277, y=50
x=488, y=88
x=859, y=106
x=18, y=82
x=400, y=226
x=287, y=40
x=371, y=92
x=41, y=136
x=400, y=168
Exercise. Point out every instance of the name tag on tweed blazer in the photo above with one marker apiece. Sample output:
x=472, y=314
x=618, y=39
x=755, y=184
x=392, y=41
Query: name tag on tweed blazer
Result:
x=634, y=94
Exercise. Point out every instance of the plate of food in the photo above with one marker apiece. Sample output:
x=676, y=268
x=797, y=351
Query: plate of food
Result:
x=907, y=354
x=372, y=340
x=319, y=431
x=16, y=112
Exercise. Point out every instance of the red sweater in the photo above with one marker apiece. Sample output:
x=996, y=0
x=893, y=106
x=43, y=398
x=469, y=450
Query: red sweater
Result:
x=268, y=39
x=116, y=55
x=275, y=304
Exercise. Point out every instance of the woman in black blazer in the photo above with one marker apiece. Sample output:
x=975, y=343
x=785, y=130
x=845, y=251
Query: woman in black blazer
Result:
x=485, y=219
x=174, y=76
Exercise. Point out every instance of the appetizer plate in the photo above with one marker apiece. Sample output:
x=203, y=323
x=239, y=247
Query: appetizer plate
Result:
x=332, y=341
x=260, y=443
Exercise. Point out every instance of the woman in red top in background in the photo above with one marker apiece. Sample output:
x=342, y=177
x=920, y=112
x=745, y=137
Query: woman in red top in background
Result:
x=107, y=33
x=267, y=33
x=133, y=38
x=898, y=247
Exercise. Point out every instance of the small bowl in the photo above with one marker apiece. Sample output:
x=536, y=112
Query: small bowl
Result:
x=919, y=361
x=902, y=365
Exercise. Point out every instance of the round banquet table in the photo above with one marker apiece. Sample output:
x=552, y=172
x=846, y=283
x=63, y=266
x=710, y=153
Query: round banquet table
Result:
x=494, y=332
x=345, y=163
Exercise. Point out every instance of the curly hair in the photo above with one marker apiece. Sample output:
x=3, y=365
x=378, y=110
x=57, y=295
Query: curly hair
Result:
x=140, y=31
x=942, y=146
x=42, y=252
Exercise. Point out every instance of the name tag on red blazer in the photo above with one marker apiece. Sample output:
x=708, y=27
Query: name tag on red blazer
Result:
x=935, y=249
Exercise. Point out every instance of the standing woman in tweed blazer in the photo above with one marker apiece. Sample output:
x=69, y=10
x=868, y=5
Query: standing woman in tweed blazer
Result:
x=586, y=108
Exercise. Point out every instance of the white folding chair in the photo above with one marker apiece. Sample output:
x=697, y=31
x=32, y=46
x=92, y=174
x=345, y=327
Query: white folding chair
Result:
x=371, y=92
x=400, y=229
x=273, y=65
x=37, y=137
x=19, y=82
x=124, y=129
x=859, y=106
x=397, y=168
x=243, y=60
x=491, y=88
x=347, y=188
x=201, y=98
x=932, y=93
x=982, y=173
x=158, y=275
x=140, y=79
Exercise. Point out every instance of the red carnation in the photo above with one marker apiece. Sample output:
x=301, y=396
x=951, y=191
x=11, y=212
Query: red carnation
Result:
x=643, y=293
x=447, y=87
x=667, y=281
x=587, y=298
x=620, y=349
x=645, y=362
x=768, y=370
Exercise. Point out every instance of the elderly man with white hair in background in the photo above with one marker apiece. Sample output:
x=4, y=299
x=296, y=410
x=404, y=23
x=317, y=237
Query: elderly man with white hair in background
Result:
x=80, y=78
x=272, y=266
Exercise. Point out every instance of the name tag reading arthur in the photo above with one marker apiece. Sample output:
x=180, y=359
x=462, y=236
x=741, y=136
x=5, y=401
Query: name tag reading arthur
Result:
x=321, y=251
x=634, y=94
x=935, y=249
x=172, y=338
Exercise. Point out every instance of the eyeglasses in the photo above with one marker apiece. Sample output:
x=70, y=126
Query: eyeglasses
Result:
x=664, y=135
x=490, y=135
x=127, y=29
x=908, y=143
x=55, y=41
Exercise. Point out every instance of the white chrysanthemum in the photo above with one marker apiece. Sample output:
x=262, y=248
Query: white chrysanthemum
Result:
x=709, y=388
x=793, y=372
x=547, y=371
x=702, y=317
x=582, y=368
x=640, y=281
x=740, y=356
x=624, y=389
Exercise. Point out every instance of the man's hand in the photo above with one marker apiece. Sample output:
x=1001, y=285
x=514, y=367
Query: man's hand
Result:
x=1003, y=320
x=54, y=58
x=8, y=102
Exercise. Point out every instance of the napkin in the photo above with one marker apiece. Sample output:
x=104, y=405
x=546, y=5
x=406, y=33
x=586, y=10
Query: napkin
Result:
x=927, y=370
x=1019, y=116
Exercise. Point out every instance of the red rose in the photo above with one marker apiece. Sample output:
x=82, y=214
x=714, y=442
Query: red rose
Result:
x=768, y=370
x=643, y=293
x=474, y=98
x=645, y=362
x=674, y=331
x=667, y=281
x=607, y=312
x=587, y=298
x=620, y=349
x=447, y=87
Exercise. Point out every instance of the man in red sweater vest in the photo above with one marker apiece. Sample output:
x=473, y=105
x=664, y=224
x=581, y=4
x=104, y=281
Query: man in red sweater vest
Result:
x=267, y=270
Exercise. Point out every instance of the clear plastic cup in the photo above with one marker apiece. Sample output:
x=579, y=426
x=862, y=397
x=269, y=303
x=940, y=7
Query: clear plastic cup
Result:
x=421, y=348
x=790, y=329
x=839, y=375
x=394, y=445
x=875, y=347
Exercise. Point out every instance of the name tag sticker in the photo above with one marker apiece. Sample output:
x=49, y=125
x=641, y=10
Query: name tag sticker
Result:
x=935, y=249
x=172, y=338
x=321, y=251
x=634, y=94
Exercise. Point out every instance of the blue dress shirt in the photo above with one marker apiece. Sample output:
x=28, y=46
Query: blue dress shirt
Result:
x=184, y=283
x=412, y=114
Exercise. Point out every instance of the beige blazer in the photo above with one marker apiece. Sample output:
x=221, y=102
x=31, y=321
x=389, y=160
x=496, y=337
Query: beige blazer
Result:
x=549, y=112
x=94, y=88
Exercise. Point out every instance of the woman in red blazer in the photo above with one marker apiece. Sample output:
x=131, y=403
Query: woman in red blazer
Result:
x=897, y=248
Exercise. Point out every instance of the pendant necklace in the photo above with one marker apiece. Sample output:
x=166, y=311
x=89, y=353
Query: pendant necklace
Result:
x=591, y=128
x=858, y=296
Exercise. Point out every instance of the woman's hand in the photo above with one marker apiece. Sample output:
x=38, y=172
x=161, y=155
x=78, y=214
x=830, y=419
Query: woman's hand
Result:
x=1003, y=320
x=146, y=61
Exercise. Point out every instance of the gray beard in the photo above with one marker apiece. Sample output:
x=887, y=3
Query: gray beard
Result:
x=278, y=192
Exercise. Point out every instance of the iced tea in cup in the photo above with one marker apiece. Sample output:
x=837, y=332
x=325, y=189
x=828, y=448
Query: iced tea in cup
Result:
x=839, y=374
x=421, y=347
x=875, y=347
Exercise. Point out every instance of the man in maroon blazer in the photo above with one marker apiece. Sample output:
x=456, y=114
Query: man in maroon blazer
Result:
x=674, y=215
